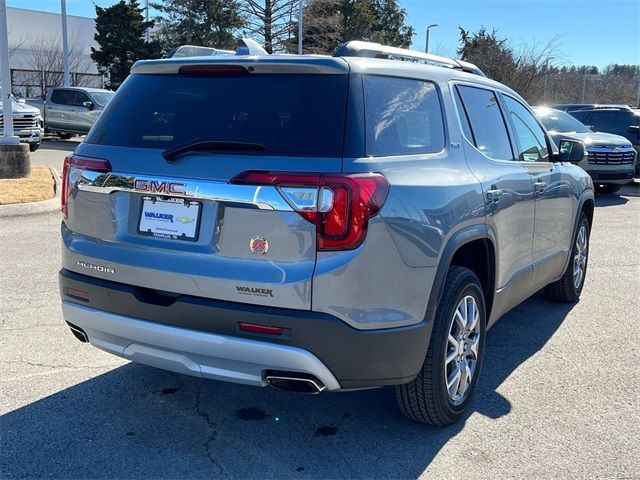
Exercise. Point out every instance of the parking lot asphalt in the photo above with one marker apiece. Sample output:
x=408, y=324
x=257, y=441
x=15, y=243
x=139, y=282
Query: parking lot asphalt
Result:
x=558, y=395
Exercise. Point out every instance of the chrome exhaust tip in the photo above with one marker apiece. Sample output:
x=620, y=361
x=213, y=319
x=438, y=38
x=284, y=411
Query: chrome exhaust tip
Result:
x=295, y=382
x=78, y=333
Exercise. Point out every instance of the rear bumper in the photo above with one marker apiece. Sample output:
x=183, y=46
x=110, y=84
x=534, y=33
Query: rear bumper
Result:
x=190, y=352
x=201, y=337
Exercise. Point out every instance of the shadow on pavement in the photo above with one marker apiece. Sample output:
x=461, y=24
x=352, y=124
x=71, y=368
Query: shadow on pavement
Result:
x=136, y=421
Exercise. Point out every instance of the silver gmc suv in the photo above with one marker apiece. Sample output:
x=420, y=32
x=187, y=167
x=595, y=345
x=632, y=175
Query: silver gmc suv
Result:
x=318, y=223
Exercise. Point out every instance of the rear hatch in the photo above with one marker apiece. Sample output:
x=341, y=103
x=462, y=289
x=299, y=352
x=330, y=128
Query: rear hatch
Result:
x=170, y=191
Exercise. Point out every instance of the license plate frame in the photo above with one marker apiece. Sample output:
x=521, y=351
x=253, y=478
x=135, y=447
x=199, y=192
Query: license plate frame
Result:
x=164, y=227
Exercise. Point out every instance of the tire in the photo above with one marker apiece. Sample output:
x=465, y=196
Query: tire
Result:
x=567, y=290
x=426, y=399
x=34, y=146
x=607, y=188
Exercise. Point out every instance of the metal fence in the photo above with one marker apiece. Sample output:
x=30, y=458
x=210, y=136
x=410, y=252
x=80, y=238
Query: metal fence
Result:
x=35, y=83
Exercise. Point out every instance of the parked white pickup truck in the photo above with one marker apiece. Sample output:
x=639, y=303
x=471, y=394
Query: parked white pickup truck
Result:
x=27, y=122
x=72, y=111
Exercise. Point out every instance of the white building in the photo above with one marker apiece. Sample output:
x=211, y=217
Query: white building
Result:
x=35, y=46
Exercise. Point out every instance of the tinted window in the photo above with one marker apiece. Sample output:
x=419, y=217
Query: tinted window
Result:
x=464, y=119
x=602, y=121
x=624, y=121
x=582, y=117
x=62, y=97
x=80, y=98
x=532, y=143
x=402, y=116
x=489, y=131
x=296, y=115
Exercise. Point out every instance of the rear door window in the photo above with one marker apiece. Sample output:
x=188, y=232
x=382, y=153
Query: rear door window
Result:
x=532, y=143
x=624, y=121
x=62, y=97
x=289, y=114
x=402, y=116
x=490, y=134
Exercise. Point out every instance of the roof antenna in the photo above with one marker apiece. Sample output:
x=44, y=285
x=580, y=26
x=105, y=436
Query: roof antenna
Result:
x=246, y=46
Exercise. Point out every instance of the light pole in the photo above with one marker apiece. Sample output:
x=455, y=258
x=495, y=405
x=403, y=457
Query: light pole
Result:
x=546, y=72
x=66, y=78
x=426, y=46
x=8, y=138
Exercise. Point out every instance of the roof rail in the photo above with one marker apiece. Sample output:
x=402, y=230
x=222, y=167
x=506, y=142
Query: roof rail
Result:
x=357, y=48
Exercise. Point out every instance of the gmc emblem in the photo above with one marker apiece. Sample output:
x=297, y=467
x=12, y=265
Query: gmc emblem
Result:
x=154, y=186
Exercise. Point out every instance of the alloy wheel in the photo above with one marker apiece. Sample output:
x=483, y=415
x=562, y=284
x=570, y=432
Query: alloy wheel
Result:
x=461, y=355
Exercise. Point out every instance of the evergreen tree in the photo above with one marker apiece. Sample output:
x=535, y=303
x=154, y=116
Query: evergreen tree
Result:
x=207, y=23
x=328, y=23
x=120, y=31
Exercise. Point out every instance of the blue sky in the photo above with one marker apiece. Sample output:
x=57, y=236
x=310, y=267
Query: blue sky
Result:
x=593, y=32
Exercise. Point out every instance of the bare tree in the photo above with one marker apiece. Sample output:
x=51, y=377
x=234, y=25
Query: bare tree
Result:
x=47, y=59
x=272, y=22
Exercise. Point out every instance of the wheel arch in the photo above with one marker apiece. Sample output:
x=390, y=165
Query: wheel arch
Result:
x=472, y=247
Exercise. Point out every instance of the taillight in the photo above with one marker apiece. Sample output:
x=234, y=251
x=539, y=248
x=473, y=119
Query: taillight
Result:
x=340, y=206
x=73, y=164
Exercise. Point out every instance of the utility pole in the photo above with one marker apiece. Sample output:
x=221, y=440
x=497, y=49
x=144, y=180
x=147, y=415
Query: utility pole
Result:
x=66, y=78
x=299, y=27
x=8, y=138
x=426, y=46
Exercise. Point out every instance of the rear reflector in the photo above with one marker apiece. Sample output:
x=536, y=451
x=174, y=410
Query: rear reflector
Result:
x=252, y=327
x=72, y=165
x=79, y=294
x=339, y=205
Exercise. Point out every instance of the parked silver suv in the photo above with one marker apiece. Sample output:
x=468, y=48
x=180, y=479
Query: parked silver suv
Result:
x=334, y=223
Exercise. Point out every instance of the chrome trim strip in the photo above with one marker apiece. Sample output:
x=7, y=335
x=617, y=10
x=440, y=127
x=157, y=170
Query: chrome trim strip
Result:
x=190, y=352
x=262, y=197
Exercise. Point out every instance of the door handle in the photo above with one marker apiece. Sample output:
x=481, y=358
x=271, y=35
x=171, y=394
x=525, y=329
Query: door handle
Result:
x=540, y=187
x=494, y=194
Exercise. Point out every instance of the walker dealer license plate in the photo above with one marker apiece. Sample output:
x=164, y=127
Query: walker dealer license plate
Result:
x=171, y=218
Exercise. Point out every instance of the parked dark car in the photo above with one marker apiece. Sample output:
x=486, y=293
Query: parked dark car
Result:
x=569, y=107
x=621, y=121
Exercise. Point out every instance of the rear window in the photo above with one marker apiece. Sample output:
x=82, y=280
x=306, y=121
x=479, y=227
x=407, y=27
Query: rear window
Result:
x=290, y=114
x=402, y=116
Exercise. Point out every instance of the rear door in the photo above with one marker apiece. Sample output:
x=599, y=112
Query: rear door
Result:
x=59, y=109
x=198, y=221
x=507, y=185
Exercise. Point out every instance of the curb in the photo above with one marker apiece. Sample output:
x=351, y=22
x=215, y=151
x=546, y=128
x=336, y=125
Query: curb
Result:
x=35, y=208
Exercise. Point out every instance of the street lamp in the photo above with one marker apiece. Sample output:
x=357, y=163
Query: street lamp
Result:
x=546, y=72
x=426, y=47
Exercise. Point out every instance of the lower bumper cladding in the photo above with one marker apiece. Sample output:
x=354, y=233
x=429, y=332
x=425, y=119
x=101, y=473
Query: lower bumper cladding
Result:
x=191, y=352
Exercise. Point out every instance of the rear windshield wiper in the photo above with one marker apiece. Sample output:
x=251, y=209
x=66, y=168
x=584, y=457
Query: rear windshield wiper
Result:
x=170, y=154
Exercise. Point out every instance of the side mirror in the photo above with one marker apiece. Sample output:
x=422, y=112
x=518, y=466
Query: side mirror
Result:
x=571, y=151
x=22, y=100
x=88, y=105
x=634, y=129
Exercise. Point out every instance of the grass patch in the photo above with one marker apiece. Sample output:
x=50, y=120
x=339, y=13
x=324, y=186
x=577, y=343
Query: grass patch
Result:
x=35, y=188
